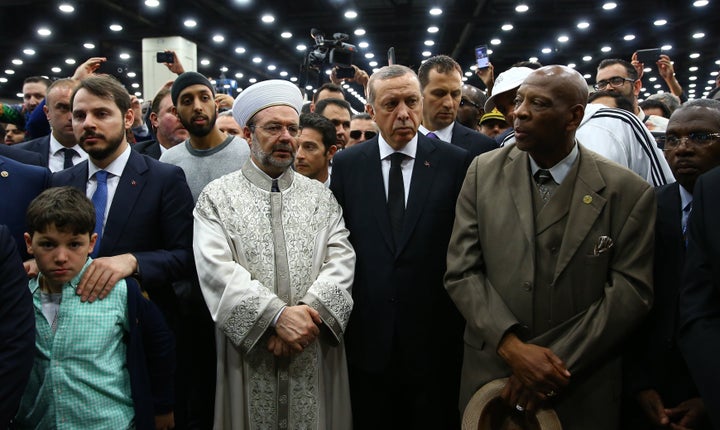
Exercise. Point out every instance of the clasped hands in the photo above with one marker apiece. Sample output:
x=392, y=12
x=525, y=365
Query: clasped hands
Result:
x=537, y=373
x=296, y=328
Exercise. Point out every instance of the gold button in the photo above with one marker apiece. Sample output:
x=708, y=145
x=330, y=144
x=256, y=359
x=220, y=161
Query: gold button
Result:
x=587, y=199
x=4, y=174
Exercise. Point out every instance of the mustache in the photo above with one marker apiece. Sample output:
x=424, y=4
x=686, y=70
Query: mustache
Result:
x=282, y=147
x=90, y=134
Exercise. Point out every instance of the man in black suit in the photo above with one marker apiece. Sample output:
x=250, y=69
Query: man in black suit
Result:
x=699, y=309
x=145, y=230
x=21, y=155
x=441, y=82
x=59, y=149
x=167, y=128
x=398, y=193
x=657, y=375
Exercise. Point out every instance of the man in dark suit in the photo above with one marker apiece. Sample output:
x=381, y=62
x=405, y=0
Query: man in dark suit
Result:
x=59, y=149
x=398, y=194
x=22, y=155
x=657, y=376
x=166, y=127
x=19, y=185
x=699, y=310
x=441, y=82
x=145, y=230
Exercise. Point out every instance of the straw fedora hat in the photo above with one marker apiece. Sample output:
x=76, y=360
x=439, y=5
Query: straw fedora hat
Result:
x=487, y=411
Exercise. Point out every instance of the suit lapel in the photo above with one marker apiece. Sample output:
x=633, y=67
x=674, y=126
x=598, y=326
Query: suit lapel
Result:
x=517, y=175
x=423, y=174
x=585, y=206
x=669, y=214
x=46, y=150
x=372, y=177
x=132, y=182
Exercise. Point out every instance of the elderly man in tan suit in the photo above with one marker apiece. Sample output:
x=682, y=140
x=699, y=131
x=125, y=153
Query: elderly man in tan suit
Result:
x=550, y=261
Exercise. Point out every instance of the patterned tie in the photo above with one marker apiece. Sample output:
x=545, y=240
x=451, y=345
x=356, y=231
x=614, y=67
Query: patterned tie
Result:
x=396, y=195
x=99, y=200
x=69, y=153
x=275, y=188
x=432, y=135
x=545, y=183
x=685, y=218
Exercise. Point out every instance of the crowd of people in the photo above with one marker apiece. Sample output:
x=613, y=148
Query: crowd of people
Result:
x=201, y=261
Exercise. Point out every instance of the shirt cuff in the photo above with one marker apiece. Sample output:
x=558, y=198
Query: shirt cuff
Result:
x=277, y=316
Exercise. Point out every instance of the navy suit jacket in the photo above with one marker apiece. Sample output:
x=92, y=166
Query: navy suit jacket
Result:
x=401, y=306
x=17, y=328
x=700, y=296
x=472, y=141
x=19, y=185
x=21, y=155
x=41, y=145
x=151, y=148
x=150, y=217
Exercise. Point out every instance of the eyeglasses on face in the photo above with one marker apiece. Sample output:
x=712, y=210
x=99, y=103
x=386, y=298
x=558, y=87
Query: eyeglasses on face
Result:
x=275, y=129
x=464, y=102
x=615, y=81
x=355, y=134
x=699, y=139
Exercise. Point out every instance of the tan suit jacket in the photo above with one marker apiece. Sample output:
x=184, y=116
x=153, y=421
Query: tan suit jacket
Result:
x=594, y=301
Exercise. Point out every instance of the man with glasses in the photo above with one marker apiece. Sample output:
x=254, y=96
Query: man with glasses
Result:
x=472, y=107
x=659, y=378
x=441, y=84
x=362, y=128
x=619, y=75
x=276, y=268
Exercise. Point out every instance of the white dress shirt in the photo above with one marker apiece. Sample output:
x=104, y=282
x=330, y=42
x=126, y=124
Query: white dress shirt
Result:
x=56, y=156
x=407, y=165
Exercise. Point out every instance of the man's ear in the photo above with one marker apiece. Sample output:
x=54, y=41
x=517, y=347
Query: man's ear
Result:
x=331, y=151
x=153, y=119
x=129, y=118
x=28, y=243
x=369, y=110
x=45, y=109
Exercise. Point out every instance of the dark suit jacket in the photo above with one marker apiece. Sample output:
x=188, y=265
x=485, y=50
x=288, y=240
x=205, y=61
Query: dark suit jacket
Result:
x=472, y=141
x=19, y=185
x=21, y=155
x=151, y=148
x=150, y=217
x=17, y=328
x=700, y=296
x=41, y=145
x=401, y=310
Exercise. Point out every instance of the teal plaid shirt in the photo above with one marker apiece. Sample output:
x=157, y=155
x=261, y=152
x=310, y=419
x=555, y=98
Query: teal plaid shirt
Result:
x=79, y=378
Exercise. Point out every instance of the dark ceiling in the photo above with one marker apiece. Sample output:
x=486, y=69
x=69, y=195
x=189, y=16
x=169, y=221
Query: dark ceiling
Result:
x=402, y=24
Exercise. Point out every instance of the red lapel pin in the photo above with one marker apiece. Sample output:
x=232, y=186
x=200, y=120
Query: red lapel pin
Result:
x=427, y=164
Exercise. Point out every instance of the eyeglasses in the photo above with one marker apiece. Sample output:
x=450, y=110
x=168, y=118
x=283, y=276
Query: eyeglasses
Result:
x=275, y=129
x=464, y=102
x=355, y=134
x=616, y=81
x=695, y=139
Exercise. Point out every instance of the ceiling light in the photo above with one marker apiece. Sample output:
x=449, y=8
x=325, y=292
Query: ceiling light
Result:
x=271, y=67
x=131, y=74
x=699, y=35
x=609, y=5
x=700, y=3
x=239, y=75
x=373, y=63
x=293, y=79
x=138, y=94
x=563, y=39
x=433, y=29
x=694, y=55
x=44, y=31
x=495, y=42
x=692, y=85
x=629, y=37
x=17, y=61
x=546, y=50
x=369, y=55
x=659, y=22
x=239, y=50
x=436, y=11
x=572, y=65
x=301, y=47
x=257, y=60
x=429, y=43
x=286, y=35
x=363, y=45
x=468, y=73
x=606, y=49
x=582, y=25
x=652, y=79
x=3, y=80
x=252, y=80
x=115, y=27
x=218, y=38
x=223, y=69
x=190, y=23
x=283, y=73
x=56, y=70
x=135, y=85
x=66, y=8
x=507, y=27
x=426, y=53
x=267, y=19
x=692, y=78
x=10, y=72
x=533, y=59
x=205, y=62
x=124, y=56
x=89, y=45
x=152, y=3
x=587, y=76
x=359, y=32
x=657, y=86
x=693, y=69
x=666, y=47
x=587, y=58
x=70, y=61
x=647, y=70
x=521, y=8
x=351, y=14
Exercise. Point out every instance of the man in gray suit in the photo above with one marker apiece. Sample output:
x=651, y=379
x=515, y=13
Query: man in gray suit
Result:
x=550, y=261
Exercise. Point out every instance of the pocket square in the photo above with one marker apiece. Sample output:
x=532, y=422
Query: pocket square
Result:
x=603, y=245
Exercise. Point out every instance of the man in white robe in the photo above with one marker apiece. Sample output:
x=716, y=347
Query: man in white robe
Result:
x=276, y=268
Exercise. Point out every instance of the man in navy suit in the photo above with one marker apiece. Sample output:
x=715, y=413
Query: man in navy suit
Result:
x=21, y=155
x=145, y=230
x=398, y=193
x=441, y=82
x=19, y=185
x=657, y=376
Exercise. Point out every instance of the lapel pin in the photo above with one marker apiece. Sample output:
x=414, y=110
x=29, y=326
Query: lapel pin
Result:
x=4, y=174
x=133, y=183
x=427, y=164
x=587, y=199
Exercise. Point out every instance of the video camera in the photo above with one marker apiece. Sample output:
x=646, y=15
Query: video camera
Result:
x=333, y=51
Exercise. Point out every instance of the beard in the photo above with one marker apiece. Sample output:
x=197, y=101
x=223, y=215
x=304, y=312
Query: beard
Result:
x=199, y=130
x=100, y=153
x=267, y=158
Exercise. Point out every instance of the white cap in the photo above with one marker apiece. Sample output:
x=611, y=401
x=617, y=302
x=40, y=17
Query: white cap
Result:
x=506, y=81
x=262, y=95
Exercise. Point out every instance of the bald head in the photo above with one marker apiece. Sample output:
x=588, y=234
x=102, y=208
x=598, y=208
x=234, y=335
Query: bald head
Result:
x=568, y=83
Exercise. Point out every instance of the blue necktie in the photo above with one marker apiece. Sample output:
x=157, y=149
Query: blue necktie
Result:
x=99, y=200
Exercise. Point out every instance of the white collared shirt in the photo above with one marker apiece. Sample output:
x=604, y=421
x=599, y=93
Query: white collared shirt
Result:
x=410, y=149
x=561, y=169
x=115, y=170
x=56, y=157
x=444, y=134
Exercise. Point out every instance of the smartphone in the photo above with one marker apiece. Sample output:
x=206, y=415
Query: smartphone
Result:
x=481, y=55
x=113, y=68
x=344, y=72
x=648, y=56
x=165, y=57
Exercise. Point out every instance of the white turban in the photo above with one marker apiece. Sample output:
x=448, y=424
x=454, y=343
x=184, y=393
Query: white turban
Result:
x=262, y=95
